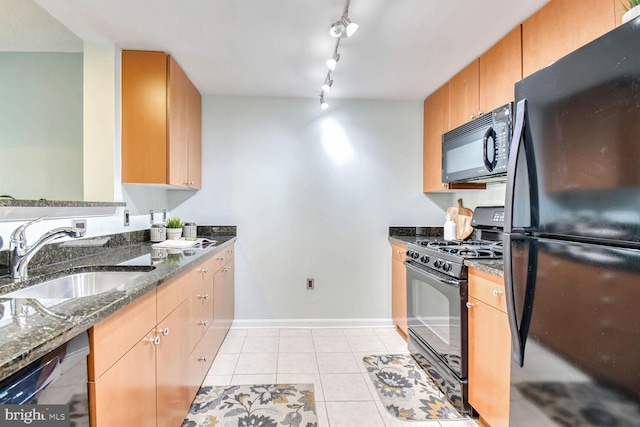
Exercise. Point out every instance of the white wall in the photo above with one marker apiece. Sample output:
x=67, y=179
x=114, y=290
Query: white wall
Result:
x=313, y=194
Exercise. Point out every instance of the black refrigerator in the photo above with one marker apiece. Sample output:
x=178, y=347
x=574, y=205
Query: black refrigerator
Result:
x=572, y=238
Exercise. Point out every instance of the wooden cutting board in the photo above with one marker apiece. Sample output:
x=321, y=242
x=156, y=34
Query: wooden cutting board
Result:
x=463, y=221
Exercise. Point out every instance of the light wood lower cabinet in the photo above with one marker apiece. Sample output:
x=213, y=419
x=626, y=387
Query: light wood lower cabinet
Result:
x=172, y=394
x=399, y=287
x=489, y=348
x=149, y=359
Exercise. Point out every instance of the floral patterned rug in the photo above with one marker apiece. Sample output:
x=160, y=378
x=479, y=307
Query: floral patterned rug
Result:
x=266, y=405
x=406, y=390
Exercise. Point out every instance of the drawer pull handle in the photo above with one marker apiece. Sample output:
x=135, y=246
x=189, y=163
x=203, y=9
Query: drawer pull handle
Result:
x=469, y=305
x=220, y=258
x=204, y=297
x=497, y=293
x=204, y=270
x=203, y=358
x=164, y=331
x=204, y=323
x=154, y=340
x=230, y=251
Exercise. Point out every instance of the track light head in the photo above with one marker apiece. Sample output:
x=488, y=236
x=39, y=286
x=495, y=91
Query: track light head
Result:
x=337, y=29
x=326, y=87
x=333, y=61
x=350, y=27
x=323, y=103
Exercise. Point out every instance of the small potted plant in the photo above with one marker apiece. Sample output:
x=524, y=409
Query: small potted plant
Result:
x=632, y=8
x=174, y=228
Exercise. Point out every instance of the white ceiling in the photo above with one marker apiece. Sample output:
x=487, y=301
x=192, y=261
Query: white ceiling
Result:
x=403, y=50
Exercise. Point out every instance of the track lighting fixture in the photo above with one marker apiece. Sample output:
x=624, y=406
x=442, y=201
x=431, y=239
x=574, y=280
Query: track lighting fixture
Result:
x=333, y=61
x=323, y=103
x=343, y=27
x=326, y=87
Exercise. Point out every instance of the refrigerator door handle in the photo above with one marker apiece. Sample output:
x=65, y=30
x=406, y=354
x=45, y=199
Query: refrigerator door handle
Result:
x=514, y=152
x=520, y=327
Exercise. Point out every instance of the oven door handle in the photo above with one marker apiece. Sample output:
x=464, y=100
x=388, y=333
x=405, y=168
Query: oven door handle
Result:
x=450, y=282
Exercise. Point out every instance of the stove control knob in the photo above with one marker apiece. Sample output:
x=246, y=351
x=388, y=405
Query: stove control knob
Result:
x=413, y=254
x=425, y=258
x=447, y=266
x=438, y=263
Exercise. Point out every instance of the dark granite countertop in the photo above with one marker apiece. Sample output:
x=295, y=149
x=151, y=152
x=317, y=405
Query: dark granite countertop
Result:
x=491, y=266
x=30, y=329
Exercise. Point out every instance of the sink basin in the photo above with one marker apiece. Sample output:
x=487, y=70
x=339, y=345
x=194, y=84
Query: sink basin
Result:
x=77, y=285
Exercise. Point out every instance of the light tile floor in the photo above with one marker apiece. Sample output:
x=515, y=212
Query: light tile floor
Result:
x=331, y=359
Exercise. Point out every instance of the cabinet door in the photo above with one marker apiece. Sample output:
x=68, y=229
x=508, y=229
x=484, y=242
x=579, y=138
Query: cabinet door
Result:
x=463, y=95
x=560, y=28
x=489, y=362
x=436, y=121
x=500, y=69
x=228, y=296
x=195, y=138
x=126, y=394
x=144, y=117
x=173, y=397
x=399, y=288
x=178, y=125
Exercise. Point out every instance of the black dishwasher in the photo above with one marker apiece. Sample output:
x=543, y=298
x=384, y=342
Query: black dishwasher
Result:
x=58, y=378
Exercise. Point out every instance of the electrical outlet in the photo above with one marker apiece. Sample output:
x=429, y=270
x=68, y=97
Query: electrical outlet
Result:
x=126, y=218
x=150, y=216
x=309, y=284
x=164, y=215
x=79, y=224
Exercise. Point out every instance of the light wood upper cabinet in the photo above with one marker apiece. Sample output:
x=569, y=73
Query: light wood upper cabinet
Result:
x=489, y=348
x=560, y=28
x=500, y=69
x=161, y=122
x=436, y=122
x=464, y=95
x=399, y=287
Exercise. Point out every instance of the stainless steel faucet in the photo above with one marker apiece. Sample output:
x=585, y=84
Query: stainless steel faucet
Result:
x=21, y=253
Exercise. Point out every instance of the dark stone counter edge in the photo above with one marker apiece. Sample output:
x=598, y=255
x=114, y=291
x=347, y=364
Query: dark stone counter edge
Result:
x=56, y=203
x=21, y=354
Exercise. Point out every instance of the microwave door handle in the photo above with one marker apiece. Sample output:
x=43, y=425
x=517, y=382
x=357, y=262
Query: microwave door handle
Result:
x=490, y=133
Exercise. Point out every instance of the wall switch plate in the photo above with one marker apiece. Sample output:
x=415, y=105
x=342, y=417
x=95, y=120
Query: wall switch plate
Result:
x=309, y=284
x=126, y=218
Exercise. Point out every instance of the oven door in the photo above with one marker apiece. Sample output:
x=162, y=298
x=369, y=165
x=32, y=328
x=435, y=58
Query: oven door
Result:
x=437, y=316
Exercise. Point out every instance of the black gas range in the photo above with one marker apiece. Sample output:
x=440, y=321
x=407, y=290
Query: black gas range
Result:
x=437, y=297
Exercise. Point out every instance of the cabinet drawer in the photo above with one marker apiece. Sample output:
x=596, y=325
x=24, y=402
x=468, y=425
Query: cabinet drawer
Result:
x=200, y=288
x=487, y=288
x=171, y=294
x=199, y=325
x=398, y=251
x=221, y=258
x=118, y=333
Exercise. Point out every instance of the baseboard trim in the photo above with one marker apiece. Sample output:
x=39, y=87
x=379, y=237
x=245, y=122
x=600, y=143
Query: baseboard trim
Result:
x=312, y=323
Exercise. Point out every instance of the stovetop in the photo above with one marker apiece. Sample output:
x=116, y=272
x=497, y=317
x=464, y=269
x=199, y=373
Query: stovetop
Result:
x=447, y=257
x=464, y=249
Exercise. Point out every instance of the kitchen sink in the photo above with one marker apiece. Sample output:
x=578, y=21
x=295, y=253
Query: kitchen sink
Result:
x=77, y=285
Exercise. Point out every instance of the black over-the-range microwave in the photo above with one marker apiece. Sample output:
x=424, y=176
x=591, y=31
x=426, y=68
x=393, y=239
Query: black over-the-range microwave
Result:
x=478, y=151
